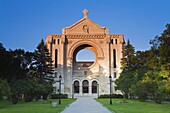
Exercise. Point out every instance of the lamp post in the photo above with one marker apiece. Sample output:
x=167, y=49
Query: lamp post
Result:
x=110, y=78
x=98, y=90
x=60, y=78
x=72, y=90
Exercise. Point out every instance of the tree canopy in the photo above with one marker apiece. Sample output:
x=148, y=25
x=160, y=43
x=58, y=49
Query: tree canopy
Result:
x=146, y=74
x=19, y=69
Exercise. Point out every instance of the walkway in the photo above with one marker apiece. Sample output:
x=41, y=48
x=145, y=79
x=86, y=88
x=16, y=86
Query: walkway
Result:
x=86, y=105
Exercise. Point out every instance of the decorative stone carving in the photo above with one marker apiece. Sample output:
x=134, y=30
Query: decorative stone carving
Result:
x=86, y=29
x=85, y=12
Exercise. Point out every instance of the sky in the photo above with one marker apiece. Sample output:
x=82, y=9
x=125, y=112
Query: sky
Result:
x=23, y=23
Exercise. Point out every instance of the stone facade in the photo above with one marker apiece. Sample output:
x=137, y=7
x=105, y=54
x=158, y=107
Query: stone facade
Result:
x=86, y=78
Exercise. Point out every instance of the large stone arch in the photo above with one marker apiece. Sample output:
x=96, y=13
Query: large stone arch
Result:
x=98, y=49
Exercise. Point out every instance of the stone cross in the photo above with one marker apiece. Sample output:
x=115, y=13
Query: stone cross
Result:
x=85, y=12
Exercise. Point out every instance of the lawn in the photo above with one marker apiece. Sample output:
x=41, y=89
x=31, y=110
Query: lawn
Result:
x=33, y=107
x=135, y=106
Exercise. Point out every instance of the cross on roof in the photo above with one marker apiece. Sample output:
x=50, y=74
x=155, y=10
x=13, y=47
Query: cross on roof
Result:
x=85, y=12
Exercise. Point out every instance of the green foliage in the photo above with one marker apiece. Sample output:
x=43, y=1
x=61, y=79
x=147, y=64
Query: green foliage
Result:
x=27, y=73
x=57, y=96
x=147, y=73
x=15, y=66
x=126, y=78
x=29, y=89
x=128, y=55
x=6, y=64
x=112, y=96
x=21, y=63
x=4, y=89
x=23, y=88
x=139, y=90
x=42, y=64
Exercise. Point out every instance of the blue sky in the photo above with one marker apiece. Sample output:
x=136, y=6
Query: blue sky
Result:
x=23, y=23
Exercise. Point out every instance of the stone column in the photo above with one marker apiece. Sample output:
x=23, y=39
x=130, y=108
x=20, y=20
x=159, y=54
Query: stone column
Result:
x=90, y=88
x=81, y=88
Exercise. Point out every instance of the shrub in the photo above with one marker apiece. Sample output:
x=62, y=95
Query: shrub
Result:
x=14, y=99
x=112, y=95
x=4, y=89
x=57, y=96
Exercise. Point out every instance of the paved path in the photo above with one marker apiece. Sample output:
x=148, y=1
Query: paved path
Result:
x=86, y=105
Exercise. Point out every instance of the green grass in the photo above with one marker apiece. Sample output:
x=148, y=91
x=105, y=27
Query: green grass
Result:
x=135, y=106
x=33, y=107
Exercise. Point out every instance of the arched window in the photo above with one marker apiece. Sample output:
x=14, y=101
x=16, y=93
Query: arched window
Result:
x=94, y=87
x=56, y=57
x=111, y=41
x=53, y=41
x=114, y=58
x=115, y=41
x=85, y=86
x=76, y=86
x=58, y=41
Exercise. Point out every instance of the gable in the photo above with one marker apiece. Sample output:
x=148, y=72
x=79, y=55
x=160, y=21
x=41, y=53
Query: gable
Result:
x=85, y=26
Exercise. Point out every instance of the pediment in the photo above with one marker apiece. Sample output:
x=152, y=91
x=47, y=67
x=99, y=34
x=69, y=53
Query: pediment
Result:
x=85, y=26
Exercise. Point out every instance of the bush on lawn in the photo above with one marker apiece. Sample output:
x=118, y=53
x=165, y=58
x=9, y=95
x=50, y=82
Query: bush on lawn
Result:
x=112, y=95
x=57, y=96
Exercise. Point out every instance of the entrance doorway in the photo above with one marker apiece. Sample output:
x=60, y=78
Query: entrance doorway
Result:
x=76, y=86
x=85, y=86
x=94, y=87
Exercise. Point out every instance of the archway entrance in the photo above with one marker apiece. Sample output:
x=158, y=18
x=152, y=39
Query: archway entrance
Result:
x=94, y=87
x=76, y=87
x=85, y=86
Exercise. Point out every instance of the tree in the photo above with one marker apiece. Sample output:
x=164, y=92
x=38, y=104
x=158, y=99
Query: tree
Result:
x=22, y=88
x=159, y=64
x=41, y=70
x=5, y=64
x=127, y=75
x=21, y=62
x=154, y=76
x=138, y=88
x=14, y=64
x=42, y=63
x=17, y=66
x=164, y=46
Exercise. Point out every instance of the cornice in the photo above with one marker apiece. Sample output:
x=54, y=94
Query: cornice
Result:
x=56, y=36
x=86, y=36
x=115, y=35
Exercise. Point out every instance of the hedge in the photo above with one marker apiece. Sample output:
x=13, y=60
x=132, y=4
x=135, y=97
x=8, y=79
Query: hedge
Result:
x=57, y=96
x=112, y=95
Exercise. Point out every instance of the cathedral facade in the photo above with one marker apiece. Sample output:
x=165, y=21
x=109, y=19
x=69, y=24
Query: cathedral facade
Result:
x=90, y=78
